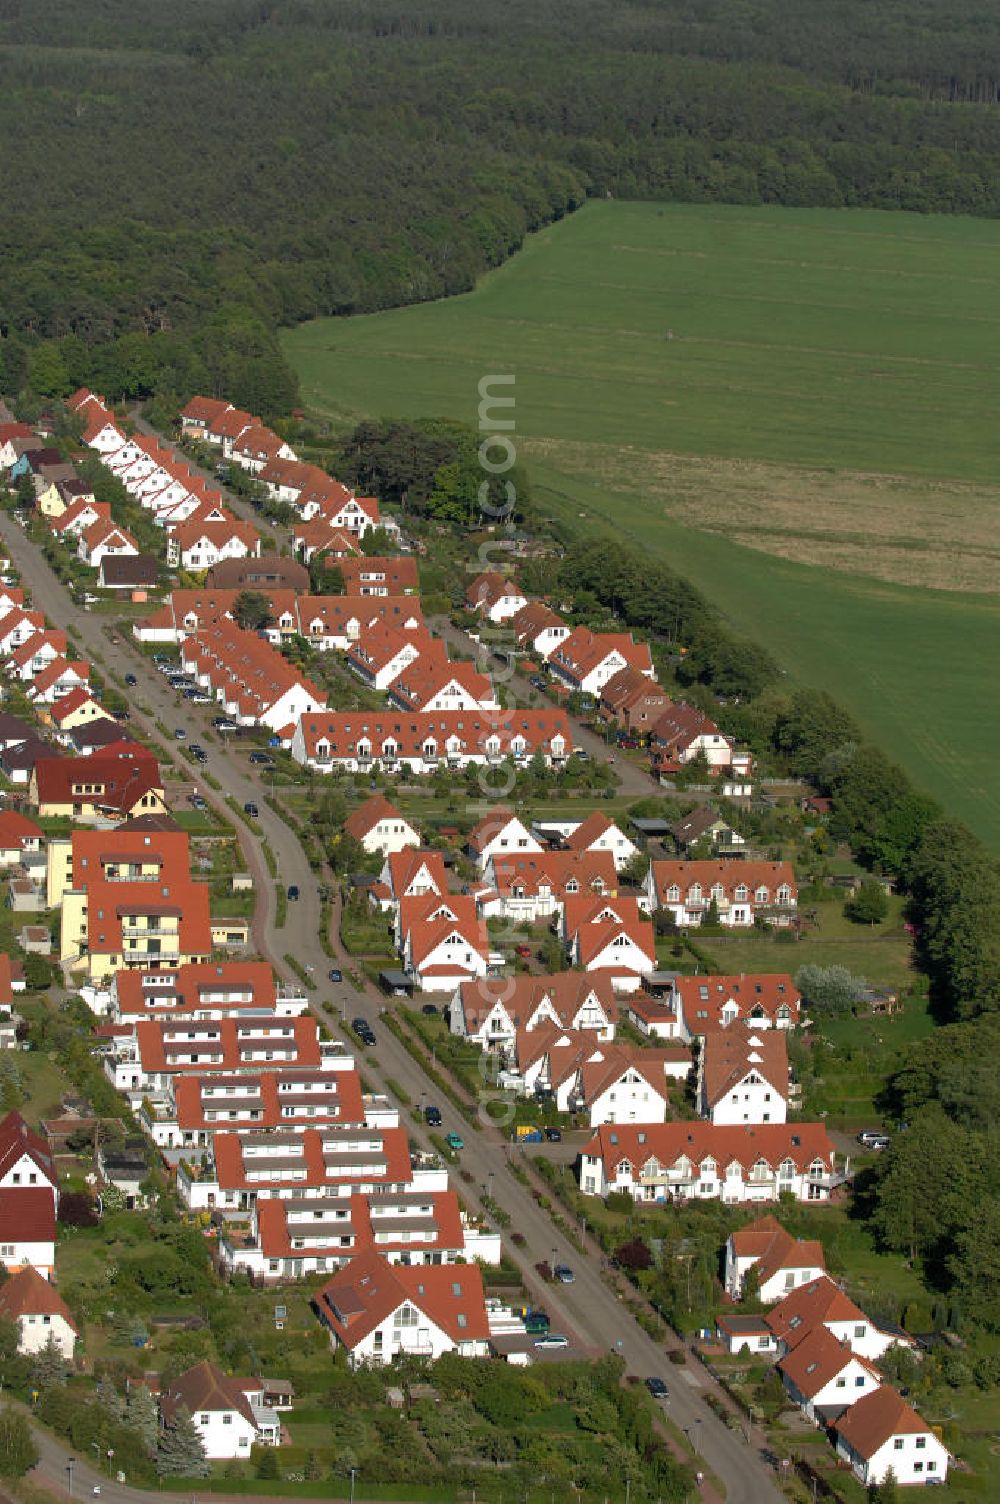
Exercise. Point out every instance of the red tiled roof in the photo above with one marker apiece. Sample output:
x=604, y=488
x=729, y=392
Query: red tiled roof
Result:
x=729, y=1055
x=875, y=1418
x=368, y=1291
x=408, y=732
x=812, y=1305
x=28, y=1214
x=16, y=829
x=16, y=1138
x=817, y=1360
x=726, y=875
x=760, y=994
x=162, y=1043
x=802, y=1143
x=28, y=1293
x=524, y=995
x=773, y=1249
x=364, y=819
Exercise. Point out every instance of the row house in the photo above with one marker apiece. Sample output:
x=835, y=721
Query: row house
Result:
x=530, y=888
x=611, y=1083
x=743, y=1076
x=740, y=891
x=377, y=825
x=494, y=1011
x=385, y=653
x=210, y=990
x=36, y=653
x=881, y=1434
x=17, y=625
x=494, y=597
x=187, y=1115
x=310, y=1164
x=376, y=1313
x=379, y=575
x=703, y=1005
x=334, y=623
x=248, y=677
x=609, y=935
x=316, y=495
x=290, y=1238
x=584, y=661
x=199, y=545
x=146, y=1060
x=392, y=742
x=186, y=612
x=76, y=518
x=691, y=1161
x=599, y=834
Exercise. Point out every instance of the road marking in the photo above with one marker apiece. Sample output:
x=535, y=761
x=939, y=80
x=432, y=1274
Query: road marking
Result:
x=691, y=1378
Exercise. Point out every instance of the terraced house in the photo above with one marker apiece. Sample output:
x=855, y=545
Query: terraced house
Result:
x=737, y=892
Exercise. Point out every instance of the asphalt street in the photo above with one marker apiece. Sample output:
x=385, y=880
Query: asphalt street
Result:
x=586, y=1307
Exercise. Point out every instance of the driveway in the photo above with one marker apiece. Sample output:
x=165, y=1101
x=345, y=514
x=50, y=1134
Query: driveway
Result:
x=588, y=1306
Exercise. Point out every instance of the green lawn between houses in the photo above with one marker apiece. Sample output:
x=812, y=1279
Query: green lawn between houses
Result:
x=794, y=407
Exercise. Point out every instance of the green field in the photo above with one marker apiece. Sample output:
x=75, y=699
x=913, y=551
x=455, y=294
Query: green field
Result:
x=797, y=408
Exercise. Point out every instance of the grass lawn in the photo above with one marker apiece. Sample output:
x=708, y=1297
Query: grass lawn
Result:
x=881, y=953
x=42, y=1084
x=791, y=406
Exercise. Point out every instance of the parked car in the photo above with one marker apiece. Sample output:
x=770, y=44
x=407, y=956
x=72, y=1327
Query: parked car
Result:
x=536, y=681
x=180, y=734
x=131, y=679
x=293, y=892
x=552, y=1339
x=197, y=802
x=198, y=753
x=564, y=1274
x=536, y=1323
x=522, y=950
x=454, y=1141
x=262, y=759
x=432, y=1117
x=225, y=723
x=121, y=715
x=335, y=974
x=873, y=1138
x=251, y=809
x=554, y=1135
x=657, y=1388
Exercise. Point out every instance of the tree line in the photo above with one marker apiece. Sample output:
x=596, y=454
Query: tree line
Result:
x=181, y=182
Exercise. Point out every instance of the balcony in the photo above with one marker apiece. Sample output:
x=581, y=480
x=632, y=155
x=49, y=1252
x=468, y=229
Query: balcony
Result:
x=151, y=932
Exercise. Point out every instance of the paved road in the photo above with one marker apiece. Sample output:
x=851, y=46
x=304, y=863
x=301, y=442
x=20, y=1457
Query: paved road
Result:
x=587, y=1306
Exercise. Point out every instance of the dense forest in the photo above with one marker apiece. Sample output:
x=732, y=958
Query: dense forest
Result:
x=190, y=176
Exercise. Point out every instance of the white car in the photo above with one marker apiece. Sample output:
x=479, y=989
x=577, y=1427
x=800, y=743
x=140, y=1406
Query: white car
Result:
x=552, y=1339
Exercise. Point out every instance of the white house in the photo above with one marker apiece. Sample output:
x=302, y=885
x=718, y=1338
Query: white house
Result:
x=743, y=1076
x=740, y=891
x=538, y=630
x=40, y=1314
x=228, y=1413
x=881, y=1433
x=441, y=943
x=500, y=833
x=683, y=1161
x=609, y=935
x=781, y=1261
x=611, y=1083
x=495, y=597
x=824, y=1378
x=493, y=1011
x=28, y=1229
x=823, y=1303
x=598, y=833
x=379, y=826
x=378, y=1312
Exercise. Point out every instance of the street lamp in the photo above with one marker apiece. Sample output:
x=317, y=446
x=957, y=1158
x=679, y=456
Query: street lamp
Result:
x=353, y=1472
x=69, y=1468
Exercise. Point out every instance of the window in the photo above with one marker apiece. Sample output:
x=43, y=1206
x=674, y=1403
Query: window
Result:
x=859, y=1331
x=921, y=1443
x=859, y=1382
x=203, y=1419
x=227, y=1419
x=918, y=1467
x=898, y=1444
x=841, y=1383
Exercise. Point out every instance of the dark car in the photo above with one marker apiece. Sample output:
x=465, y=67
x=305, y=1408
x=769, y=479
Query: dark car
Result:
x=121, y=715
x=293, y=893
x=657, y=1388
x=564, y=1274
x=335, y=975
x=554, y=1135
x=429, y=1010
x=432, y=1117
x=131, y=679
x=251, y=809
x=262, y=759
x=198, y=802
x=198, y=753
x=224, y=723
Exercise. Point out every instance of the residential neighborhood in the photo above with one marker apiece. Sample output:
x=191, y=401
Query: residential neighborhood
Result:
x=468, y=1017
